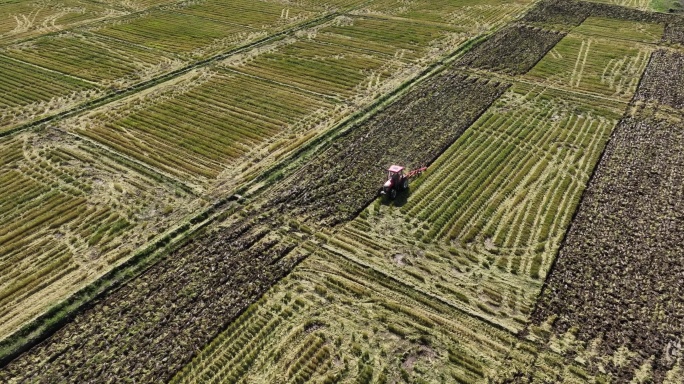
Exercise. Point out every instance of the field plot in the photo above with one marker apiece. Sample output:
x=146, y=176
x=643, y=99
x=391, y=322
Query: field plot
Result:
x=674, y=34
x=117, y=53
x=137, y=5
x=218, y=276
x=609, y=67
x=513, y=50
x=428, y=300
x=20, y=19
x=204, y=125
x=180, y=34
x=197, y=30
x=666, y=6
x=620, y=29
x=244, y=108
x=467, y=16
x=401, y=38
x=332, y=320
x=68, y=214
x=173, y=309
x=413, y=131
x=212, y=126
x=27, y=92
x=85, y=55
x=617, y=280
x=558, y=14
x=482, y=226
x=329, y=70
x=643, y=5
x=664, y=79
x=252, y=14
x=565, y=14
x=527, y=151
x=353, y=56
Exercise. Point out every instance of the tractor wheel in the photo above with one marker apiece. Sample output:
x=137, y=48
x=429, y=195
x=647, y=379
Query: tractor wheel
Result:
x=393, y=193
x=404, y=185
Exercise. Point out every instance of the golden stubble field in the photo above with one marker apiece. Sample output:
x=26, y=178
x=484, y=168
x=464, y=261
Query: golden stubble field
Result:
x=478, y=273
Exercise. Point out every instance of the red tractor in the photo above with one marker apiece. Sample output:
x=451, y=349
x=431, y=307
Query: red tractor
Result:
x=397, y=180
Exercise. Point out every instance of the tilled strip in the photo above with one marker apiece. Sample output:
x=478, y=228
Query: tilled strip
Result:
x=514, y=50
x=574, y=12
x=663, y=80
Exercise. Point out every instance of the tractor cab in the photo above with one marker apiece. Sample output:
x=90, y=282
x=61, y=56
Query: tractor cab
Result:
x=395, y=173
x=395, y=180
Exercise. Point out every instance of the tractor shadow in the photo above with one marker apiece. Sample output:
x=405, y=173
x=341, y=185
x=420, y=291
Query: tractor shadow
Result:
x=399, y=201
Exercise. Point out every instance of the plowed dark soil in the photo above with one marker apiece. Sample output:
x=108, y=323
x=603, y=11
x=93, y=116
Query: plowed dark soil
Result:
x=620, y=274
x=513, y=50
x=663, y=80
x=674, y=33
x=574, y=12
x=149, y=328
